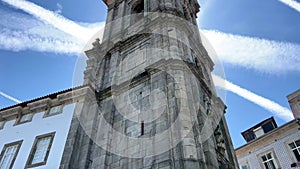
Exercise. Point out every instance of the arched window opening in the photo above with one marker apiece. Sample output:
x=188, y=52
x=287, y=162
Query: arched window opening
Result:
x=138, y=7
x=137, y=11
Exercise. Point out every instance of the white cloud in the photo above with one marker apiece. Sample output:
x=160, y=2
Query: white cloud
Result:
x=255, y=53
x=292, y=3
x=22, y=40
x=22, y=32
x=267, y=104
x=250, y=52
x=10, y=97
x=52, y=18
x=259, y=54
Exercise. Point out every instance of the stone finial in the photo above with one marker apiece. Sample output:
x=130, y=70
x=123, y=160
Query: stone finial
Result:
x=96, y=43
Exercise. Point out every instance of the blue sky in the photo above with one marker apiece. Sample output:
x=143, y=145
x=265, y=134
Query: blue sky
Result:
x=258, y=43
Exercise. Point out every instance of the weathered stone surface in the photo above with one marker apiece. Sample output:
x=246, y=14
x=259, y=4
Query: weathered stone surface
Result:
x=154, y=106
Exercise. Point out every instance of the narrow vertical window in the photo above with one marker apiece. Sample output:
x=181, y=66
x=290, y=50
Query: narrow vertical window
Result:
x=40, y=150
x=115, y=12
x=142, y=128
x=9, y=154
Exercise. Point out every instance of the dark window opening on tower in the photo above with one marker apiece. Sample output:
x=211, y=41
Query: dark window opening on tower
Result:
x=193, y=19
x=137, y=11
x=138, y=7
x=142, y=128
x=115, y=12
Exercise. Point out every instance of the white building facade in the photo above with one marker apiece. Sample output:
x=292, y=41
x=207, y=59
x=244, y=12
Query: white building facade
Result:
x=33, y=134
x=278, y=149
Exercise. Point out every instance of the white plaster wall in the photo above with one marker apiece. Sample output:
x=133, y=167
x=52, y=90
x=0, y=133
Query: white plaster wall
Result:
x=38, y=126
x=280, y=149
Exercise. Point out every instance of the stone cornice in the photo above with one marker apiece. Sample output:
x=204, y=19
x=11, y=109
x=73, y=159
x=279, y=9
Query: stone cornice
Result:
x=69, y=96
x=14, y=111
x=294, y=95
x=161, y=65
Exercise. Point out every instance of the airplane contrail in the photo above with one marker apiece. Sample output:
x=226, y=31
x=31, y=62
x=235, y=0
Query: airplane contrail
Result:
x=10, y=97
x=52, y=18
x=84, y=33
x=292, y=3
x=275, y=108
x=267, y=56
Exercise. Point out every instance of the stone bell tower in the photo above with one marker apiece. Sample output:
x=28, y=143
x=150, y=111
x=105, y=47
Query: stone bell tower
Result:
x=152, y=102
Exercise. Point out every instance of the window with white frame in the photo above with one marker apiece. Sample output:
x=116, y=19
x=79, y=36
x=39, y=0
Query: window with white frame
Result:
x=54, y=110
x=269, y=161
x=9, y=154
x=25, y=118
x=40, y=150
x=295, y=148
